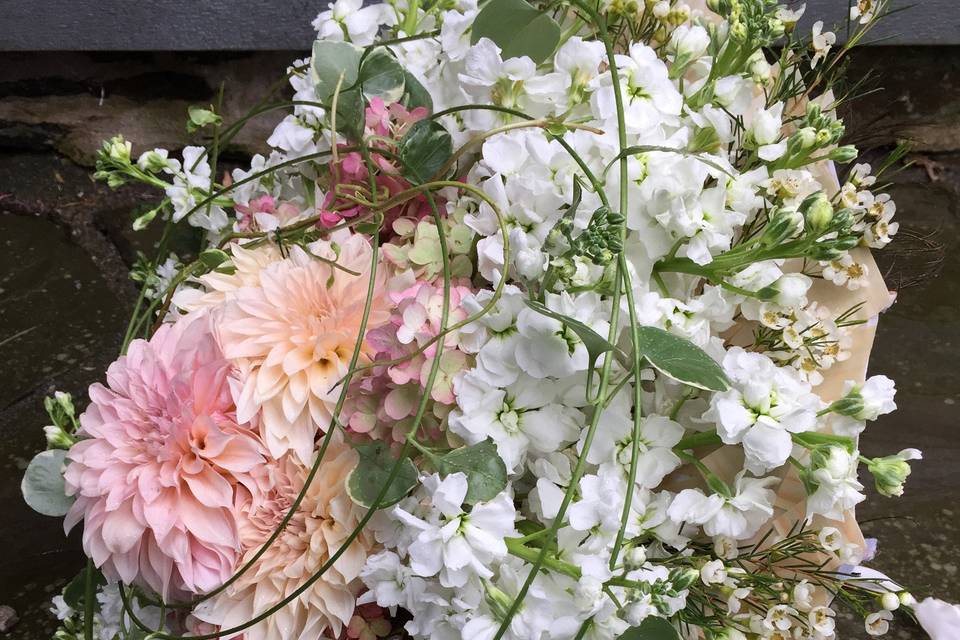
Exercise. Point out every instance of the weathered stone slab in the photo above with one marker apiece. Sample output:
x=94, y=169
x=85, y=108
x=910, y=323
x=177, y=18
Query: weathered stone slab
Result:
x=72, y=101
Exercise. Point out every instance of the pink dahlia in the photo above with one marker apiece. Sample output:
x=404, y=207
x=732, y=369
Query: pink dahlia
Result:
x=320, y=526
x=156, y=476
x=293, y=335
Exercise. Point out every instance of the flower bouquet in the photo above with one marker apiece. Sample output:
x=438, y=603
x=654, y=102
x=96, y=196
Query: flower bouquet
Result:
x=539, y=321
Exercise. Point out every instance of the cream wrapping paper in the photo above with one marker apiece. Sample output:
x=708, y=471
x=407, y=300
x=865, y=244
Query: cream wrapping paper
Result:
x=790, y=504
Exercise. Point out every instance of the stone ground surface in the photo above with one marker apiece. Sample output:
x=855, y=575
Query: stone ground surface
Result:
x=66, y=248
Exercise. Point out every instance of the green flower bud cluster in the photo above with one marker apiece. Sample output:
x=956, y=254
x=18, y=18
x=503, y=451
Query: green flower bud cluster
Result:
x=822, y=221
x=890, y=472
x=62, y=414
x=816, y=131
x=752, y=21
x=601, y=240
x=116, y=167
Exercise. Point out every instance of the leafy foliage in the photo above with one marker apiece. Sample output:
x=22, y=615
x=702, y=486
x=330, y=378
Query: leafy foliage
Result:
x=518, y=28
x=680, y=359
x=42, y=485
x=372, y=473
x=424, y=150
x=483, y=466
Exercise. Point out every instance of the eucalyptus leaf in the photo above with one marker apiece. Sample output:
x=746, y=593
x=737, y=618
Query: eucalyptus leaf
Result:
x=595, y=344
x=424, y=150
x=518, y=28
x=680, y=359
x=331, y=60
x=382, y=76
x=42, y=484
x=483, y=466
x=372, y=472
x=652, y=628
x=415, y=94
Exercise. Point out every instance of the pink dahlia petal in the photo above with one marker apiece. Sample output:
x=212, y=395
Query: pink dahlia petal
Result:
x=155, y=497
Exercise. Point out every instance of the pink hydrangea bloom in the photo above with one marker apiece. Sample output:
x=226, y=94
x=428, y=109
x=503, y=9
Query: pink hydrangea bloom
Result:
x=382, y=404
x=156, y=476
x=351, y=172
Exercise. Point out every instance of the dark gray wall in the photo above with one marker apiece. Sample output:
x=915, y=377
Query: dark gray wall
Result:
x=117, y=25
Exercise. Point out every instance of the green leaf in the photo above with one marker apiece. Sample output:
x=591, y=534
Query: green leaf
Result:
x=200, y=117
x=42, y=484
x=424, y=150
x=652, y=628
x=483, y=466
x=518, y=28
x=371, y=474
x=213, y=258
x=330, y=60
x=680, y=359
x=382, y=76
x=74, y=591
x=596, y=344
x=350, y=113
x=415, y=94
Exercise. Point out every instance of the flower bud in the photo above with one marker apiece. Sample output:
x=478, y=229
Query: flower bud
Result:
x=721, y=7
x=890, y=601
x=785, y=223
x=558, y=241
x=57, y=438
x=705, y=139
x=636, y=556
x=804, y=139
x=498, y=601
x=844, y=154
x=790, y=290
x=118, y=149
x=890, y=473
x=153, y=161
x=817, y=211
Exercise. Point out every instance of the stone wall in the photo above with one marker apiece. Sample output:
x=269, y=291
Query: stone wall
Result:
x=67, y=246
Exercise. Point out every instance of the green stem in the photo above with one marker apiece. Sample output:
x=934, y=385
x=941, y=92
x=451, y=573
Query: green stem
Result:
x=89, y=600
x=608, y=360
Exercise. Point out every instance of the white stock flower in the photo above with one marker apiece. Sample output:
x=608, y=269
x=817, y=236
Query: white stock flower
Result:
x=765, y=405
x=613, y=442
x=838, y=489
x=765, y=132
x=651, y=102
x=524, y=416
x=349, y=19
x=550, y=349
x=739, y=516
x=453, y=543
